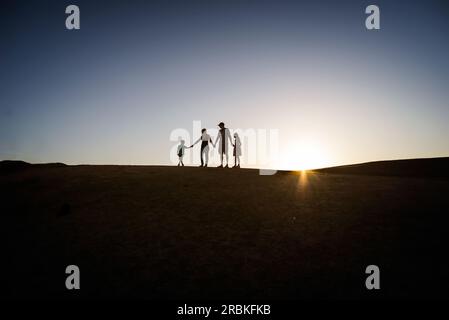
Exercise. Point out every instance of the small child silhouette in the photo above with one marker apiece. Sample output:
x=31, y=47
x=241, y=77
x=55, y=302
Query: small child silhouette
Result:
x=237, y=150
x=181, y=151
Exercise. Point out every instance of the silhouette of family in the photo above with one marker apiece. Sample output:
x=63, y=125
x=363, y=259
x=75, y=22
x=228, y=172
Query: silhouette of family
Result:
x=224, y=136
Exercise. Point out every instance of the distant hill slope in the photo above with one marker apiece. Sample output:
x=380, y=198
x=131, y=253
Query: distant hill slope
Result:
x=7, y=166
x=424, y=167
x=428, y=167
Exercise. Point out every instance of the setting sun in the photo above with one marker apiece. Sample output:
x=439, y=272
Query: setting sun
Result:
x=303, y=156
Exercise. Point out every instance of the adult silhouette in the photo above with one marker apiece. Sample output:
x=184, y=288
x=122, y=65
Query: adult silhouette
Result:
x=205, y=139
x=224, y=135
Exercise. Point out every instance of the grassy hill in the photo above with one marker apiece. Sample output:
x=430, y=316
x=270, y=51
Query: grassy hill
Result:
x=169, y=232
x=426, y=167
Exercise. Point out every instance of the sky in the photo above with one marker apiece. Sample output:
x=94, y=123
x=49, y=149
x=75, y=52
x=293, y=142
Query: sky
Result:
x=139, y=75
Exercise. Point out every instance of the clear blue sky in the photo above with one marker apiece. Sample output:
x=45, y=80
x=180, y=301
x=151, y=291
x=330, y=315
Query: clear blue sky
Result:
x=113, y=91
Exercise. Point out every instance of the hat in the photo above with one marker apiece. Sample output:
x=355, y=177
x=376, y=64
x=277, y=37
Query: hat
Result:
x=221, y=124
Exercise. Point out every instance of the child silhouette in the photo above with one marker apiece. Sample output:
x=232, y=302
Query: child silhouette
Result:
x=181, y=151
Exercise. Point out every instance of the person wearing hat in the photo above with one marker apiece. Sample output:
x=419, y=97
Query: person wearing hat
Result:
x=223, y=136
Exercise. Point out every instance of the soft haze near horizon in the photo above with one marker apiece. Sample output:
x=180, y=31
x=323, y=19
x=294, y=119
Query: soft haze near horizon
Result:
x=112, y=92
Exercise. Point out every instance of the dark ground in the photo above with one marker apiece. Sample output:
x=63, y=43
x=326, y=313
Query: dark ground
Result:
x=168, y=232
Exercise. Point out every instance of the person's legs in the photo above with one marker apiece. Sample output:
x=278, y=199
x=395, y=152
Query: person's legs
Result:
x=221, y=159
x=227, y=160
x=205, y=152
x=206, y=155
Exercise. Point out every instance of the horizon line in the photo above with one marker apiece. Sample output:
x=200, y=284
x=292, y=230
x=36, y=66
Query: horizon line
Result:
x=249, y=168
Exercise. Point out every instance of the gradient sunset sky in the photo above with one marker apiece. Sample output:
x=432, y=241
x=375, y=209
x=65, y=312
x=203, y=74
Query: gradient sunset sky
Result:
x=112, y=92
